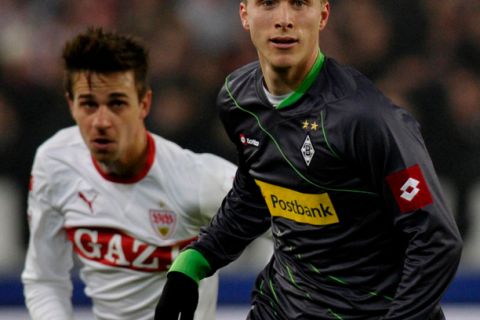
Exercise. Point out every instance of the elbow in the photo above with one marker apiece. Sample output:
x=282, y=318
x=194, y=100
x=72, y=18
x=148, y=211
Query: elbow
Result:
x=454, y=247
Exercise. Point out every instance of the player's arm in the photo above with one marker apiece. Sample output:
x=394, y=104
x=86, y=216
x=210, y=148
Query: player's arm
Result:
x=217, y=176
x=390, y=148
x=241, y=218
x=46, y=276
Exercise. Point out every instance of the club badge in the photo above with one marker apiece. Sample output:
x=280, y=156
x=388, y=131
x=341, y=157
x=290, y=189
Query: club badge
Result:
x=307, y=150
x=163, y=221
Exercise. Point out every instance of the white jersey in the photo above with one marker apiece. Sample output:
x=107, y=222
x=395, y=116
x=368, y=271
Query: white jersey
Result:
x=125, y=233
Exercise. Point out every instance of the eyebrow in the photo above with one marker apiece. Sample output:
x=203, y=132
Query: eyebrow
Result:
x=86, y=96
x=115, y=95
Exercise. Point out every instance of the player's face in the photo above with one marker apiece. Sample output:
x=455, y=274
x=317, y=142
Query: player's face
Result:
x=285, y=32
x=110, y=115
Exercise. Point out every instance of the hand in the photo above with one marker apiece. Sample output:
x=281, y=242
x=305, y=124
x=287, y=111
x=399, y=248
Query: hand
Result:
x=179, y=298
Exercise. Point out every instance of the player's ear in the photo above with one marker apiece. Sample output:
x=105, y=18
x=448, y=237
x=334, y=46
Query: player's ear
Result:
x=70, y=102
x=244, y=16
x=146, y=104
x=325, y=14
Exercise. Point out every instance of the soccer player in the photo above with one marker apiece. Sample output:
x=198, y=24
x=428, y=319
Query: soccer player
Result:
x=360, y=226
x=123, y=199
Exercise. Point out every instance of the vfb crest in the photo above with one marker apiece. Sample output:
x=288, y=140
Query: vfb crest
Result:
x=163, y=221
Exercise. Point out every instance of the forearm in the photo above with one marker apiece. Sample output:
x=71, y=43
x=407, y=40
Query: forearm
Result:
x=191, y=263
x=429, y=266
x=242, y=217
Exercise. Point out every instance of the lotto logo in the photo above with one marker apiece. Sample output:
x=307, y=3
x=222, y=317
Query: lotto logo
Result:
x=247, y=141
x=410, y=189
x=243, y=140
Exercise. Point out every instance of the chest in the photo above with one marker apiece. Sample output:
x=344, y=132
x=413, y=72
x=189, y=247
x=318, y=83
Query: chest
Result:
x=298, y=147
x=153, y=210
x=301, y=167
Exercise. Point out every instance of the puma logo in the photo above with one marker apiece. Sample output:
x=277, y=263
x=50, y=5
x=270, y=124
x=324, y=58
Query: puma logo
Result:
x=88, y=202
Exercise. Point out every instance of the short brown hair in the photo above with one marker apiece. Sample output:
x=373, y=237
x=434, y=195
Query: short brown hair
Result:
x=322, y=1
x=105, y=52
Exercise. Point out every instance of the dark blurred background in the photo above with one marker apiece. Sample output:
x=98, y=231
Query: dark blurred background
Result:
x=424, y=54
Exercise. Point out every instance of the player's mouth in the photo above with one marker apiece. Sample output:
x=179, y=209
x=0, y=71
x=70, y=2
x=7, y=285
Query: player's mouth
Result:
x=101, y=144
x=283, y=42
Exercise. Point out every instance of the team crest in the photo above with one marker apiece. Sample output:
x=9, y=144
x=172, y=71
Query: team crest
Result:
x=163, y=221
x=307, y=150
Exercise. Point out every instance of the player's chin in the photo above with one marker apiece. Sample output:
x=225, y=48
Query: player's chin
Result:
x=283, y=59
x=282, y=63
x=102, y=155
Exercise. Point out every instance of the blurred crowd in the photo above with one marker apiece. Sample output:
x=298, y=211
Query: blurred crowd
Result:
x=424, y=54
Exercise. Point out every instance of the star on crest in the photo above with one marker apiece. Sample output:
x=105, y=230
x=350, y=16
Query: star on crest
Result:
x=314, y=126
x=305, y=124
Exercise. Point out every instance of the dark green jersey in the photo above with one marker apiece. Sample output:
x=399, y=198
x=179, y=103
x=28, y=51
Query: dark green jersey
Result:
x=343, y=178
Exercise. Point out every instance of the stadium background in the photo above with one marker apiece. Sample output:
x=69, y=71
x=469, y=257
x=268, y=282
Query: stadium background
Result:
x=424, y=54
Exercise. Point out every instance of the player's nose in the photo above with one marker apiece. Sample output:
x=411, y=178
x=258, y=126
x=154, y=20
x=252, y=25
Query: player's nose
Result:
x=102, y=117
x=284, y=16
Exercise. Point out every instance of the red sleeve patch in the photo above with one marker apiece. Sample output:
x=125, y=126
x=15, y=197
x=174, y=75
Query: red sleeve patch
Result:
x=410, y=189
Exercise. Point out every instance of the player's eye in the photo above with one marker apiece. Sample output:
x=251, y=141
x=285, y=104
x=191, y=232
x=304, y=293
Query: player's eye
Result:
x=267, y=3
x=117, y=103
x=299, y=3
x=88, y=104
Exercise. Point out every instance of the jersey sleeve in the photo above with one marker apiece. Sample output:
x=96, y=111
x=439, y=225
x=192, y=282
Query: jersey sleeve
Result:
x=388, y=147
x=46, y=276
x=242, y=217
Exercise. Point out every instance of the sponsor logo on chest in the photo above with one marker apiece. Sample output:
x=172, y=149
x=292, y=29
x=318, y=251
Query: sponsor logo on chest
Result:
x=115, y=248
x=314, y=209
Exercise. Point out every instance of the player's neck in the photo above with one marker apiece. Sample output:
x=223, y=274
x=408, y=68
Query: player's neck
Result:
x=280, y=81
x=131, y=163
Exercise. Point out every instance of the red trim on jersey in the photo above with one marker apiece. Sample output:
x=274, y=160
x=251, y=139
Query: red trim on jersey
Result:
x=141, y=174
x=30, y=183
x=410, y=189
x=115, y=248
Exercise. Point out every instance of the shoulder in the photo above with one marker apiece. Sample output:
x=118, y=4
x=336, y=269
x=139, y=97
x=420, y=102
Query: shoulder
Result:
x=345, y=83
x=176, y=158
x=357, y=99
x=170, y=153
x=357, y=113
x=63, y=145
x=240, y=83
x=58, y=160
x=213, y=165
x=242, y=74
